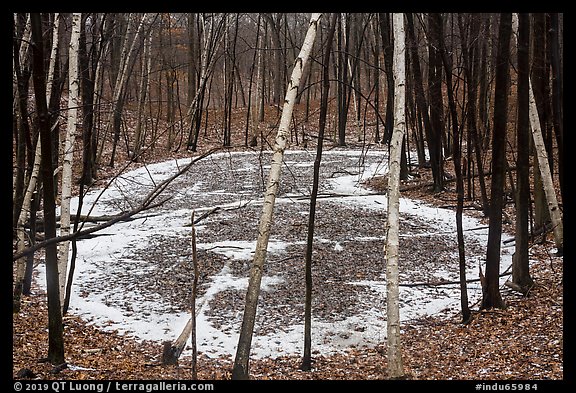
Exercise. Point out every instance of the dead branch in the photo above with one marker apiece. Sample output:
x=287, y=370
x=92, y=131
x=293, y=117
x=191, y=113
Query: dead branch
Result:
x=444, y=282
x=146, y=204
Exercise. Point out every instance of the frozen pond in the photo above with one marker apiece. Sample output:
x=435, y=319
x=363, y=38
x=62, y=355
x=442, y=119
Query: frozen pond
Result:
x=137, y=278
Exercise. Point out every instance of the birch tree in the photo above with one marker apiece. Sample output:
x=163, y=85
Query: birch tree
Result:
x=66, y=190
x=394, y=348
x=241, y=362
x=543, y=165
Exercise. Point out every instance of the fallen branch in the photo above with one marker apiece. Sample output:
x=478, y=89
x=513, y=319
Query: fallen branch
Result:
x=146, y=204
x=444, y=282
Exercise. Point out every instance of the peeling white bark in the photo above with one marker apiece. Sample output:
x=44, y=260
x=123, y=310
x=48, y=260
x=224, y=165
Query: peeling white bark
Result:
x=394, y=349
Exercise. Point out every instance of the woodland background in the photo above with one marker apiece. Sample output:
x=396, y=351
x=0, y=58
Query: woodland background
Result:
x=103, y=92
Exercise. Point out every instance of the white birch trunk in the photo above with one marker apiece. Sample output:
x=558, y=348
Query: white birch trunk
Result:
x=66, y=192
x=244, y=343
x=394, y=349
x=542, y=158
x=548, y=185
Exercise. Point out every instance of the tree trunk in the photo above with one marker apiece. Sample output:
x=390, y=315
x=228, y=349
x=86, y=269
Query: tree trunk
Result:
x=436, y=104
x=471, y=66
x=213, y=35
x=423, y=107
x=456, y=151
x=520, y=263
x=394, y=347
x=143, y=92
x=87, y=84
x=557, y=94
x=55, y=326
x=121, y=83
x=21, y=198
x=387, y=48
x=491, y=290
x=69, y=143
x=539, y=86
x=240, y=370
x=547, y=184
x=307, y=357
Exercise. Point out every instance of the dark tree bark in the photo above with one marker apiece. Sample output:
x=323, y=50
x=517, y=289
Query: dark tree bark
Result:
x=22, y=133
x=307, y=357
x=343, y=90
x=485, y=74
x=456, y=151
x=471, y=59
x=520, y=264
x=435, y=101
x=87, y=86
x=540, y=87
x=55, y=327
x=557, y=94
x=387, y=47
x=422, y=104
x=491, y=289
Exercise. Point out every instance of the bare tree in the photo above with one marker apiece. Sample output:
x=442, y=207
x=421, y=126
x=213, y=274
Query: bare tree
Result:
x=240, y=370
x=307, y=357
x=457, y=154
x=126, y=63
x=23, y=210
x=394, y=348
x=520, y=262
x=491, y=287
x=66, y=189
x=55, y=327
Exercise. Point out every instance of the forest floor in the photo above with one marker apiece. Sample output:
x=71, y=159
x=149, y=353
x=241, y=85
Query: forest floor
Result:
x=524, y=341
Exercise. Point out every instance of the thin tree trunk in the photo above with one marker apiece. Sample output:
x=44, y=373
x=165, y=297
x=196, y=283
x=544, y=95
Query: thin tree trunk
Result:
x=423, y=107
x=307, y=357
x=213, y=35
x=55, y=326
x=557, y=94
x=470, y=55
x=436, y=104
x=520, y=261
x=24, y=211
x=491, y=290
x=456, y=151
x=142, y=96
x=252, y=116
x=394, y=345
x=69, y=143
x=387, y=48
x=241, y=362
x=193, y=303
x=547, y=184
x=121, y=84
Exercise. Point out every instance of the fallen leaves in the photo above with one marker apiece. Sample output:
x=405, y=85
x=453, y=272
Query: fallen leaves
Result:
x=523, y=341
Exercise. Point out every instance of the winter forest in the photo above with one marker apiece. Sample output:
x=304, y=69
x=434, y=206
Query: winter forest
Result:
x=287, y=196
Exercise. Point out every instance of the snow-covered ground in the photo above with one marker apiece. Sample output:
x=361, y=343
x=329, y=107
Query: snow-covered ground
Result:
x=113, y=270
